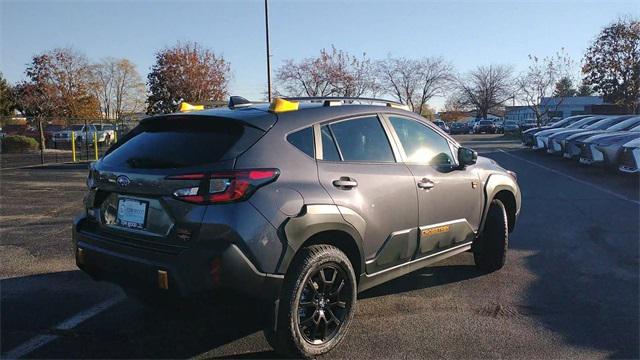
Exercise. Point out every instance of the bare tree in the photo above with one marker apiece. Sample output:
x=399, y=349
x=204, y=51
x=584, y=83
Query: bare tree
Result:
x=415, y=82
x=485, y=88
x=536, y=86
x=102, y=75
x=332, y=73
x=454, y=110
x=118, y=86
x=129, y=90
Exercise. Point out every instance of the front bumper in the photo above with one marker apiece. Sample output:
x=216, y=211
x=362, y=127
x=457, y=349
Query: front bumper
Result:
x=183, y=274
x=540, y=142
x=630, y=161
x=555, y=146
x=571, y=149
x=590, y=154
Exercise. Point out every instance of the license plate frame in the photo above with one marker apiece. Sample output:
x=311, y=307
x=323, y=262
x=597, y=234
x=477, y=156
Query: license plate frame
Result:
x=132, y=213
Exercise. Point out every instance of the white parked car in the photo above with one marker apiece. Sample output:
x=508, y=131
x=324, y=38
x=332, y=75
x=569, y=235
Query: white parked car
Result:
x=63, y=137
x=106, y=133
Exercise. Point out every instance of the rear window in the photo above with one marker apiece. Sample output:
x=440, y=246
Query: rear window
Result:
x=486, y=122
x=182, y=142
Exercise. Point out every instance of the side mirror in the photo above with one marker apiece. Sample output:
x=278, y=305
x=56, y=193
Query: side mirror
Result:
x=466, y=156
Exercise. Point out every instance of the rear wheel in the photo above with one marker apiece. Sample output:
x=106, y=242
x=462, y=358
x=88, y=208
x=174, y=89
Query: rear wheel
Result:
x=317, y=302
x=490, y=251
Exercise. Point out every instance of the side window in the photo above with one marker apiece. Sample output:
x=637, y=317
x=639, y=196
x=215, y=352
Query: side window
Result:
x=362, y=139
x=422, y=144
x=329, y=150
x=303, y=140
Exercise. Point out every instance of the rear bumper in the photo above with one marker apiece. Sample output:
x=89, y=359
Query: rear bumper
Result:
x=191, y=271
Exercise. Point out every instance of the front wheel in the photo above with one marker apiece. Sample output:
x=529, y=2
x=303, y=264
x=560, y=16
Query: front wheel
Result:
x=317, y=302
x=490, y=250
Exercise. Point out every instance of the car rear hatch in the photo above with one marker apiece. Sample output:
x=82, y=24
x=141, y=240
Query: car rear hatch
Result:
x=144, y=192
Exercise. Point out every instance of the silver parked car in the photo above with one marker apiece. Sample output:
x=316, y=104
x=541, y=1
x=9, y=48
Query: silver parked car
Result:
x=541, y=139
x=571, y=143
x=605, y=149
x=511, y=127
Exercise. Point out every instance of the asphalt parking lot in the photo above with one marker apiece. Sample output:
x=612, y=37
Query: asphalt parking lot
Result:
x=570, y=288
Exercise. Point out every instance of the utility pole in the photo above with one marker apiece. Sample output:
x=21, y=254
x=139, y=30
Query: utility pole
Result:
x=266, y=23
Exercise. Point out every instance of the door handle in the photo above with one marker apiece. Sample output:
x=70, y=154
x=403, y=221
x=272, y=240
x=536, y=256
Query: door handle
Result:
x=426, y=184
x=345, y=183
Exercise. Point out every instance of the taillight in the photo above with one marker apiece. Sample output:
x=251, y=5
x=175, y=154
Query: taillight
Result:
x=224, y=187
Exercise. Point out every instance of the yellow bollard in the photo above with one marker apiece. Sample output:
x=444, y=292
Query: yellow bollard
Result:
x=115, y=136
x=73, y=145
x=95, y=144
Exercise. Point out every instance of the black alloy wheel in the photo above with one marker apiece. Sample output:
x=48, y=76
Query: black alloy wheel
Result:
x=322, y=306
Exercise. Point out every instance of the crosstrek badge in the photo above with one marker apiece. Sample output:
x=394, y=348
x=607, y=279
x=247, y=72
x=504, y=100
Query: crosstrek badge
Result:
x=435, y=230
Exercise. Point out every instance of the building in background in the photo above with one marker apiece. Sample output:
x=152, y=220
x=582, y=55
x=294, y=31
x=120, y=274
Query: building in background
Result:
x=558, y=108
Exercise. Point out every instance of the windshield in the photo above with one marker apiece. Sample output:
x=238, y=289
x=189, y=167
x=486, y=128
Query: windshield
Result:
x=584, y=122
x=625, y=125
x=567, y=121
x=602, y=124
x=76, y=127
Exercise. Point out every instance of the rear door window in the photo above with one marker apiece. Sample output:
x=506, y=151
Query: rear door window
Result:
x=362, y=140
x=303, y=140
x=178, y=142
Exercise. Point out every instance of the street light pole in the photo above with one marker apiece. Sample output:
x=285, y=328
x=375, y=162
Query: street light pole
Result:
x=266, y=22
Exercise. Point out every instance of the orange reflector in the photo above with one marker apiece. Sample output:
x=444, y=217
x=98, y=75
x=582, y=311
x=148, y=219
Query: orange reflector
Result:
x=80, y=256
x=163, y=280
x=186, y=107
x=279, y=105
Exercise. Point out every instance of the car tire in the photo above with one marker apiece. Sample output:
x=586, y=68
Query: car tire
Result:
x=490, y=250
x=325, y=307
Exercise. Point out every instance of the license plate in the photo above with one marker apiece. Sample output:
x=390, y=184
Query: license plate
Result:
x=132, y=213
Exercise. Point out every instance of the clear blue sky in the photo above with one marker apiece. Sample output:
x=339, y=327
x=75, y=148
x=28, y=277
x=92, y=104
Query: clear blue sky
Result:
x=468, y=33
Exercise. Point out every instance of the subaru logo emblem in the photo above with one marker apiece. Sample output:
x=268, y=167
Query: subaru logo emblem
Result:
x=123, y=181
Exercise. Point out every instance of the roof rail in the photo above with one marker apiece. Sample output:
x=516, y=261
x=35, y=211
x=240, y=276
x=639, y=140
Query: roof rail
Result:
x=337, y=100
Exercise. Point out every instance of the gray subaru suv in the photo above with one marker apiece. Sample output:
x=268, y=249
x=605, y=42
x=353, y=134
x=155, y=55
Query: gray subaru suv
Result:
x=304, y=202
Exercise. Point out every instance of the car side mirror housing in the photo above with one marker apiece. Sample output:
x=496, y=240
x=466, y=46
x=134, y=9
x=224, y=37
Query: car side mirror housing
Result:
x=467, y=156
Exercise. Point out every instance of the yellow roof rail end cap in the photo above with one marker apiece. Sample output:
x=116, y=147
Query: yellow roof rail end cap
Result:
x=279, y=105
x=186, y=107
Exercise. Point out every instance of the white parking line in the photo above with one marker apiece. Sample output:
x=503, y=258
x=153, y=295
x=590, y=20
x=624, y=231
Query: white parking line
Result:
x=612, y=193
x=41, y=340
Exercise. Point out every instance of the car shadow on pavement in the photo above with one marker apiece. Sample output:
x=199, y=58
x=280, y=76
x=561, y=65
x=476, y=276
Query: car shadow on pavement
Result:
x=34, y=305
x=424, y=278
